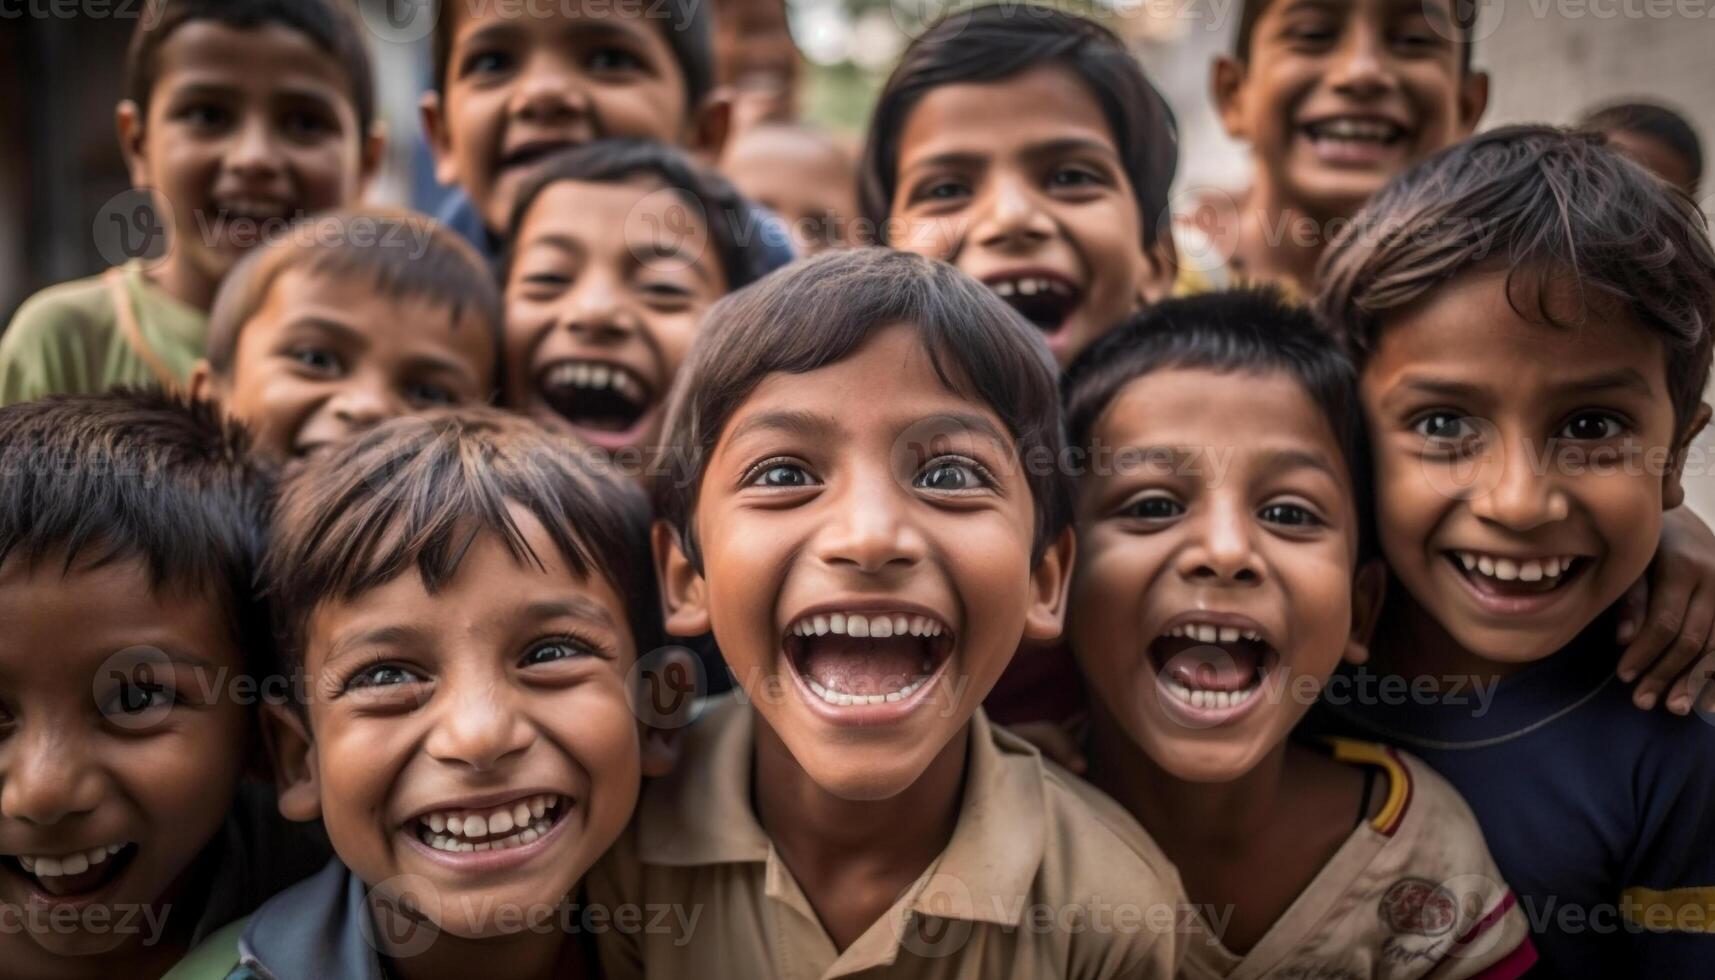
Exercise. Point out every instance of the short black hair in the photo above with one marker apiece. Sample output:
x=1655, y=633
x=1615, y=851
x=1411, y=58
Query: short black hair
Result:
x=1464, y=13
x=412, y=493
x=1541, y=203
x=684, y=25
x=730, y=220
x=995, y=42
x=819, y=311
x=1254, y=331
x=1655, y=121
x=331, y=25
x=136, y=474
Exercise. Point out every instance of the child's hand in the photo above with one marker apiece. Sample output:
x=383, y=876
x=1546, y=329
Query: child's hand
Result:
x=1054, y=742
x=1672, y=645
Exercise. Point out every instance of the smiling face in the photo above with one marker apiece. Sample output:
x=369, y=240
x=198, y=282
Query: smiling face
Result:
x=602, y=302
x=866, y=540
x=1215, y=571
x=327, y=356
x=1336, y=98
x=1520, y=492
x=1019, y=184
x=480, y=738
x=519, y=87
x=119, y=756
x=246, y=130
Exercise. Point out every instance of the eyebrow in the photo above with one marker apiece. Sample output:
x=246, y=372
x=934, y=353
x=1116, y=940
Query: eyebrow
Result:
x=1620, y=379
x=805, y=424
x=1281, y=460
x=968, y=420
x=656, y=250
x=343, y=646
x=575, y=607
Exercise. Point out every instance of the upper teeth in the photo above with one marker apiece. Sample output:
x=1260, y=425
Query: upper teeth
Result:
x=1511, y=569
x=866, y=624
x=1030, y=286
x=1357, y=129
x=528, y=817
x=44, y=866
x=1205, y=633
x=596, y=376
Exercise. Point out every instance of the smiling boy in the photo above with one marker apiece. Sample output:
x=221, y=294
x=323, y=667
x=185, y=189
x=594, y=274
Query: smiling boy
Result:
x=1532, y=313
x=463, y=601
x=239, y=115
x=848, y=511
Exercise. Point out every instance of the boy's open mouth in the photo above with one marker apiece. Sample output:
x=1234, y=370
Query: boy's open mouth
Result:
x=1212, y=666
x=73, y=875
x=499, y=828
x=1357, y=139
x=1046, y=299
x=1508, y=578
x=599, y=396
x=861, y=659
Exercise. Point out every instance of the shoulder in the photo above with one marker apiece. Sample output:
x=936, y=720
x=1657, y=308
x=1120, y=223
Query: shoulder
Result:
x=79, y=304
x=215, y=958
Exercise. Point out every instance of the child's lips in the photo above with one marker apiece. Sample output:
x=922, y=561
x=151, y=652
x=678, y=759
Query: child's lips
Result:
x=1515, y=587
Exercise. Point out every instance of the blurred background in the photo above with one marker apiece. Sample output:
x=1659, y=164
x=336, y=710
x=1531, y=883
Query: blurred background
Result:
x=61, y=62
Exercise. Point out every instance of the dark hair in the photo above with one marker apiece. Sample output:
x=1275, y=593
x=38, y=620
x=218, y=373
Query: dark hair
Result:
x=1463, y=12
x=818, y=312
x=1244, y=331
x=414, y=492
x=1655, y=121
x=400, y=254
x=1542, y=202
x=721, y=209
x=139, y=475
x=996, y=42
x=684, y=25
x=330, y=25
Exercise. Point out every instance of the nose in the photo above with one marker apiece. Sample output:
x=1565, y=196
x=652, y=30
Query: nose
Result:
x=478, y=727
x=1221, y=549
x=550, y=93
x=1361, y=68
x=1520, y=497
x=597, y=311
x=364, y=400
x=252, y=153
x=870, y=529
x=48, y=776
x=1011, y=216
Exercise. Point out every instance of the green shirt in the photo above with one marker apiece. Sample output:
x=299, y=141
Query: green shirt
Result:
x=67, y=339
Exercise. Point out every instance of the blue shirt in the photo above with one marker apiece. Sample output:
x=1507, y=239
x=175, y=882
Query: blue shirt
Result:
x=1600, y=816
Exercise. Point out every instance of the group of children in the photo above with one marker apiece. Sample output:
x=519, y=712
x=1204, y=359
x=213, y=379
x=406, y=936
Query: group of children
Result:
x=357, y=576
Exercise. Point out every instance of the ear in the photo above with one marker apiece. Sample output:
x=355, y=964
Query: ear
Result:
x=710, y=126
x=1473, y=101
x=432, y=112
x=1226, y=88
x=1049, y=582
x=1369, y=588
x=1673, y=481
x=667, y=696
x=128, y=120
x=201, y=387
x=684, y=593
x=374, y=154
x=1162, y=259
x=294, y=756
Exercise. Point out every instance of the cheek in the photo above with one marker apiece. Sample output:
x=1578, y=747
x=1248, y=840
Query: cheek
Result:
x=192, y=773
x=595, y=726
x=275, y=406
x=674, y=335
x=655, y=111
x=935, y=238
x=327, y=173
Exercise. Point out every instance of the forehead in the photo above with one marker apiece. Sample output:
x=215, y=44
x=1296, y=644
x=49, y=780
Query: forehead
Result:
x=1439, y=11
x=402, y=325
x=1247, y=417
x=551, y=22
x=271, y=56
x=1045, y=103
x=639, y=217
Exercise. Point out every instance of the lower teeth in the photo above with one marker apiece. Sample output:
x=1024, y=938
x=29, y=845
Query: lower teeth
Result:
x=1211, y=699
x=447, y=842
x=846, y=700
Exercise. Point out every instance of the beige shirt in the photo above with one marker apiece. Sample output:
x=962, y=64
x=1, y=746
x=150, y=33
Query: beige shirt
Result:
x=1043, y=877
x=1412, y=893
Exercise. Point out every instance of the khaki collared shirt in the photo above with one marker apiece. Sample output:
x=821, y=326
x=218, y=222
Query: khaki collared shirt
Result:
x=1043, y=877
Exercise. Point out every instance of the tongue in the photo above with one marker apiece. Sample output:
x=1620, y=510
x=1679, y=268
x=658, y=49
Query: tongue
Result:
x=853, y=665
x=1209, y=666
x=78, y=884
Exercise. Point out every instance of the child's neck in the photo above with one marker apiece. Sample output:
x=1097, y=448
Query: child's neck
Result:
x=177, y=279
x=853, y=858
x=1247, y=847
x=1278, y=239
x=1410, y=643
x=530, y=954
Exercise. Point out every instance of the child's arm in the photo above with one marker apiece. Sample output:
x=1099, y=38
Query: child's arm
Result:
x=1671, y=647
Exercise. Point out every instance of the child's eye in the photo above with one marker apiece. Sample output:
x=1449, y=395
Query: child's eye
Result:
x=381, y=675
x=952, y=476
x=129, y=699
x=315, y=359
x=1072, y=177
x=614, y=60
x=942, y=191
x=666, y=291
x=205, y=115
x=1592, y=426
x=307, y=125
x=1289, y=515
x=1155, y=508
x=554, y=650
x=782, y=476
x=428, y=394
x=1445, y=427
x=485, y=63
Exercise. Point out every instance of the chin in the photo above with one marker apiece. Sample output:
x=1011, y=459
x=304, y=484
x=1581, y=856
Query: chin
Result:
x=1199, y=761
x=865, y=781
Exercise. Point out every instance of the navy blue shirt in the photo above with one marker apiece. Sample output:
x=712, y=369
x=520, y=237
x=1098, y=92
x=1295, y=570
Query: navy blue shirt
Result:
x=1600, y=816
